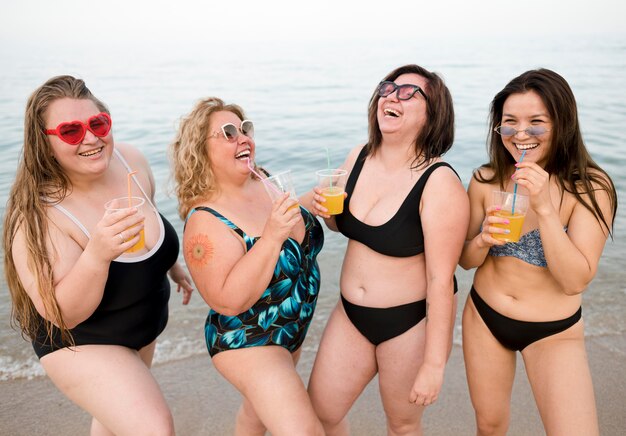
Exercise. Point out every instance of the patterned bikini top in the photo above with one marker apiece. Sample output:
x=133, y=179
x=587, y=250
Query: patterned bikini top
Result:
x=529, y=249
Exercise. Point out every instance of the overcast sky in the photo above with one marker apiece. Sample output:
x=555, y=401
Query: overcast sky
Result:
x=256, y=20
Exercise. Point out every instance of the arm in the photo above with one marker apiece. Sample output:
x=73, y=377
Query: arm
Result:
x=444, y=233
x=138, y=162
x=179, y=276
x=314, y=201
x=79, y=275
x=572, y=257
x=230, y=279
x=479, y=239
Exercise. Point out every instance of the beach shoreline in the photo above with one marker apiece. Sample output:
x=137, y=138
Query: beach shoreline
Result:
x=203, y=403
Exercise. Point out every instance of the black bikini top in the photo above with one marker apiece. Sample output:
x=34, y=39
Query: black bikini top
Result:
x=402, y=235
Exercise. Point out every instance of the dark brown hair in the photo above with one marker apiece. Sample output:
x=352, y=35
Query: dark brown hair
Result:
x=437, y=135
x=568, y=159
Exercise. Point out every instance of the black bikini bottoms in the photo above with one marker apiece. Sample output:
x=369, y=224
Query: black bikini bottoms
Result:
x=517, y=335
x=379, y=324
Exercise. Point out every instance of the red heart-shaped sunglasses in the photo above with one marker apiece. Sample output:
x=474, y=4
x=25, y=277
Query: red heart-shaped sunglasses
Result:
x=74, y=132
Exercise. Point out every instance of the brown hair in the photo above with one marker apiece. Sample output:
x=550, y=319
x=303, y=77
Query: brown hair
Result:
x=191, y=166
x=39, y=183
x=437, y=135
x=568, y=158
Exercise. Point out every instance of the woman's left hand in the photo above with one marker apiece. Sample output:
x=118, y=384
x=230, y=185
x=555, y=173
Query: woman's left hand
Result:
x=536, y=180
x=182, y=279
x=427, y=385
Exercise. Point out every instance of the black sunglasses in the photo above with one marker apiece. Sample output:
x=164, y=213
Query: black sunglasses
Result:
x=405, y=92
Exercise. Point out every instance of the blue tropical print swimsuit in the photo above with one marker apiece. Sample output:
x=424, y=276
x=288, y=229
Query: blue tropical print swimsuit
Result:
x=283, y=313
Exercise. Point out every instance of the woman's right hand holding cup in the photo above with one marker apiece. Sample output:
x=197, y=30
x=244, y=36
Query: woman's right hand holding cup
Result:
x=284, y=216
x=115, y=233
x=485, y=237
x=319, y=208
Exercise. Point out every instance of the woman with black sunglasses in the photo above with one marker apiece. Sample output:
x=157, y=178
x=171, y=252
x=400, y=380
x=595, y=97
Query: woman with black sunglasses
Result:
x=92, y=310
x=527, y=295
x=254, y=263
x=405, y=215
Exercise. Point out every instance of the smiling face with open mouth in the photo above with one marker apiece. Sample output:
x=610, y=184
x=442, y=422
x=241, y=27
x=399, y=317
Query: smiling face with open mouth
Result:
x=229, y=155
x=91, y=156
x=525, y=114
x=403, y=117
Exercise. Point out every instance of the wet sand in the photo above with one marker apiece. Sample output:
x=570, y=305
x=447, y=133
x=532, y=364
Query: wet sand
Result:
x=204, y=404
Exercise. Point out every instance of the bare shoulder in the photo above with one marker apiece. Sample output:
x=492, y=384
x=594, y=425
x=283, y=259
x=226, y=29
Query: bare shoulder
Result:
x=207, y=241
x=203, y=222
x=602, y=188
x=599, y=180
x=352, y=157
x=483, y=172
x=444, y=176
x=443, y=188
x=478, y=181
x=137, y=161
x=132, y=155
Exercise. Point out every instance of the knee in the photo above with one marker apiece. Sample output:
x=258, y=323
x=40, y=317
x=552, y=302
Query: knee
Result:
x=492, y=425
x=404, y=425
x=312, y=428
x=248, y=419
x=335, y=427
x=161, y=425
x=331, y=421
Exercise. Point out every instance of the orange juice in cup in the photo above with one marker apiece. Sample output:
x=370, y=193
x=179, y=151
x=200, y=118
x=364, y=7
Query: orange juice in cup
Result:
x=334, y=199
x=280, y=184
x=516, y=222
x=332, y=182
x=140, y=245
x=513, y=207
x=122, y=203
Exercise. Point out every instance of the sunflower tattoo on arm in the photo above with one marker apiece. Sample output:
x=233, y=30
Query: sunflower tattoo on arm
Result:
x=198, y=250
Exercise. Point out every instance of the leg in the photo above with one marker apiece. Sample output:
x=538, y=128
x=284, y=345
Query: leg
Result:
x=114, y=385
x=344, y=365
x=248, y=422
x=490, y=370
x=561, y=382
x=266, y=376
x=398, y=360
x=146, y=354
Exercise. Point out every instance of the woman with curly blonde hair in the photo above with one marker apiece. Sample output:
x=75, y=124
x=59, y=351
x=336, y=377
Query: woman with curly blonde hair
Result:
x=256, y=269
x=92, y=311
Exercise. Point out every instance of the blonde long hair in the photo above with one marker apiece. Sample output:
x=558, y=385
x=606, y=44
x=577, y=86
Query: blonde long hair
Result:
x=39, y=183
x=191, y=166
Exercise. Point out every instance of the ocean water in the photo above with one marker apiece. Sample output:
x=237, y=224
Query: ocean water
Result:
x=304, y=99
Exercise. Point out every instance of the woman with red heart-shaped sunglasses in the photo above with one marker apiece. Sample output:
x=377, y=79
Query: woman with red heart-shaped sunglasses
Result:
x=90, y=302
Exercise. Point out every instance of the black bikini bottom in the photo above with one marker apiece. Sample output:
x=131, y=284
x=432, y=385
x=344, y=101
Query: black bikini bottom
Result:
x=379, y=324
x=517, y=335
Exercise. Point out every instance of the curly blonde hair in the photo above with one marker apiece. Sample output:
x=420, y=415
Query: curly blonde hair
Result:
x=191, y=166
x=39, y=183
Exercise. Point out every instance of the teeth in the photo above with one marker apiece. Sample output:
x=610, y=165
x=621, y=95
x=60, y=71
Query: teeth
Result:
x=526, y=146
x=92, y=152
x=245, y=153
x=392, y=113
